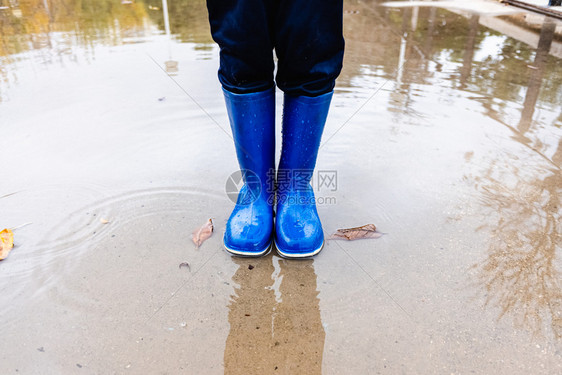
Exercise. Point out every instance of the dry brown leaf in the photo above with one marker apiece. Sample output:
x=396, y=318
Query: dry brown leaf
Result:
x=365, y=231
x=203, y=233
x=6, y=243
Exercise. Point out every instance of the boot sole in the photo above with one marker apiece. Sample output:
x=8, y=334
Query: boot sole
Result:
x=248, y=254
x=289, y=255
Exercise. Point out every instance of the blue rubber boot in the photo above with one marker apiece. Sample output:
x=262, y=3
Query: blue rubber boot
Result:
x=249, y=230
x=298, y=230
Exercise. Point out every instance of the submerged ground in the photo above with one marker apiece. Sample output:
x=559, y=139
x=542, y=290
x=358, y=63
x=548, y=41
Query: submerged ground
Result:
x=445, y=131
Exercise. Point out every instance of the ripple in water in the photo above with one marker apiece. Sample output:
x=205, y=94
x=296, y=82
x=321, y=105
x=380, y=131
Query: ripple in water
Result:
x=68, y=240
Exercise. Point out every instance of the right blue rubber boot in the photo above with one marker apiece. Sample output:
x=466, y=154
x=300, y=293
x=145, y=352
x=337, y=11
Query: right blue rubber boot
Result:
x=249, y=230
x=298, y=230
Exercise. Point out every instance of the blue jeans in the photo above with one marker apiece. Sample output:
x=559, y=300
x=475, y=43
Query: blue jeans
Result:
x=306, y=35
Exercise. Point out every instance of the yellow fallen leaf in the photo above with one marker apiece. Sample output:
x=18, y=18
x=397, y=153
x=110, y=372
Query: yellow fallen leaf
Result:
x=6, y=243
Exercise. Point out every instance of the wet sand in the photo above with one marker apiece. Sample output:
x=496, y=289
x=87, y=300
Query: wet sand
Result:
x=444, y=132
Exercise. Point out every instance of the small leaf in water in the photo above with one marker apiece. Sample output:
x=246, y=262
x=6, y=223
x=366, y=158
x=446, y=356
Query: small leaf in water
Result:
x=185, y=264
x=365, y=231
x=203, y=233
x=6, y=243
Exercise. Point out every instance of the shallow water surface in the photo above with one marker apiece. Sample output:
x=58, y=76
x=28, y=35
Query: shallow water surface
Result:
x=445, y=131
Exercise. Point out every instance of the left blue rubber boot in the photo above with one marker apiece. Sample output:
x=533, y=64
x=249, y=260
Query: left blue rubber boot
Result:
x=249, y=229
x=298, y=230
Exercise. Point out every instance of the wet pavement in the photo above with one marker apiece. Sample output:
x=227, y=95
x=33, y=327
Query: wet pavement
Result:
x=445, y=131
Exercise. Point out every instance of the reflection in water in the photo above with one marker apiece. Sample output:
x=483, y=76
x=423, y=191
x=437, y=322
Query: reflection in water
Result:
x=469, y=50
x=520, y=273
x=31, y=24
x=274, y=328
x=189, y=21
x=48, y=32
x=69, y=32
x=410, y=46
x=171, y=65
x=535, y=82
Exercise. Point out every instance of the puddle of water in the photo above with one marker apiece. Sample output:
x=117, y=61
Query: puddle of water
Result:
x=444, y=131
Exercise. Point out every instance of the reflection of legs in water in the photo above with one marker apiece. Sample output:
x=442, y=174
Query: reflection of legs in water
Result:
x=298, y=332
x=248, y=346
x=268, y=335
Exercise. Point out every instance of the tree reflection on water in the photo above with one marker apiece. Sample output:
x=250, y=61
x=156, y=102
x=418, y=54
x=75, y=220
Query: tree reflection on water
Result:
x=29, y=24
x=520, y=273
